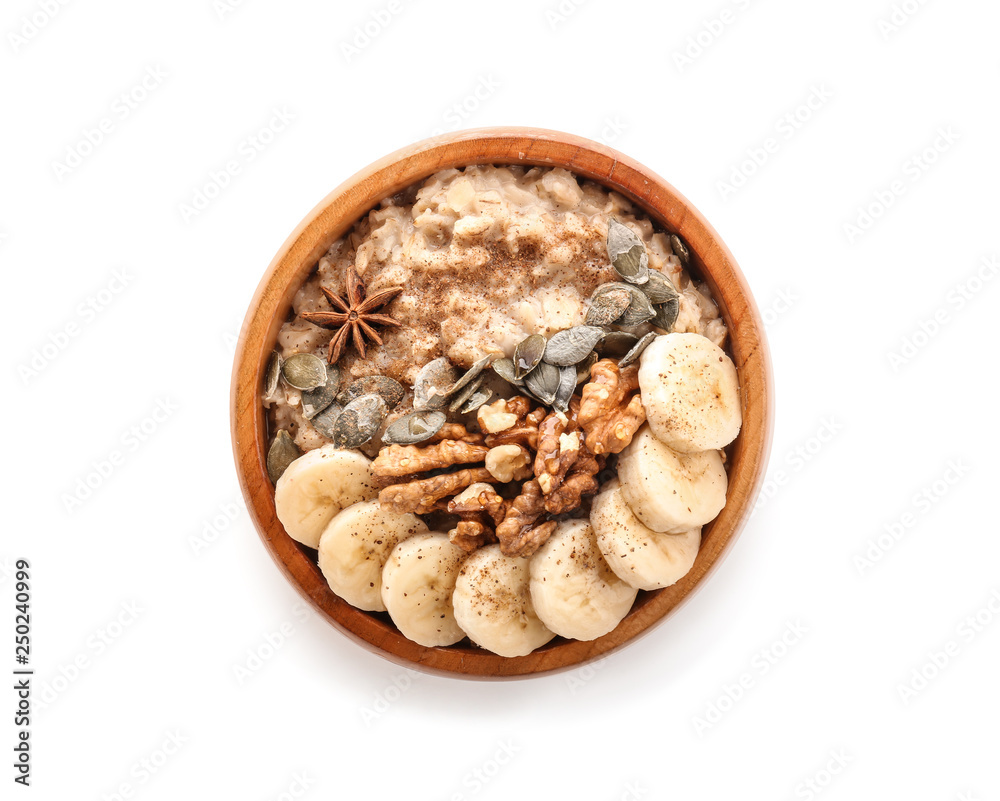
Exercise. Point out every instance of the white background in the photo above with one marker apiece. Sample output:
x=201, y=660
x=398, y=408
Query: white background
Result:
x=880, y=426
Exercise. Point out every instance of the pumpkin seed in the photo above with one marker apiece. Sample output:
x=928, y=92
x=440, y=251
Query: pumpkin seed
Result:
x=680, y=249
x=414, y=427
x=505, y=369
x=627, y=253
x=616, y=344
x=464, y=394
x=640, y=310
x=608, y=306
x=479, y=397
x=637, y=349
x=528, y=354
x=271, y=375
x=433, y=384
x=283, y=452
x=304, y=371
x=543, y=382
x=583, y=368
x=572, y=345
x=360, y=421
x=390, y=391
x=327, y=419
x=470, y=374
x=666, y=314
x=659, y=288
x=316, y=400
x=567, y=386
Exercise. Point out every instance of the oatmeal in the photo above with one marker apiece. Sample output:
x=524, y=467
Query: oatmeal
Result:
x=485, y=256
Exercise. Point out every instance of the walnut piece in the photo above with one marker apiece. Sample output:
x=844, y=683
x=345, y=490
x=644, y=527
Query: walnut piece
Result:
x=531, y=540
x=524, y=432
x=521, y=516
x=557, y=451
x=608, y=422
x=494, y=417
x=457, y=431
x=422, y=496
x=509, y=463
x=471, y=534
x=401, y=460
x=479, y=497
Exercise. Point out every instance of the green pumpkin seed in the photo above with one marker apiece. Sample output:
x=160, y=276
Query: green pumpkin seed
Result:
x=566, y=388
x=666, y=314
x=433, y=384
x=583, y=368
x=680, y=249
x=414, y=427
x=572, y=345
x=360, y=421
x=304, y=371
x=627, y=253
x=640, y=310
x=659, y=288
x=471, y=374
x=543, y=382
x=464, y=394
x=271, y=375
x=479, y=397
x=617, y=344
x=505, y=369
x=283, y=452
x=608, y=306
x=327, y=419
x=390, y=391
x=637, y=349
x=528, y=354
x=316, y=400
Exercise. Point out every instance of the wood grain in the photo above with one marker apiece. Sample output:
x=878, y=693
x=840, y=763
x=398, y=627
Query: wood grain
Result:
x=334, y=216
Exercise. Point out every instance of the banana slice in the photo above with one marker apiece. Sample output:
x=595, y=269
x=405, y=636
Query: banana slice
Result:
x=316, y=486
x=493, y=604
x=642, y=558
x=575, y=592
x=355, y=546
x=417, y=584
x=690, y=392
x=668, y=491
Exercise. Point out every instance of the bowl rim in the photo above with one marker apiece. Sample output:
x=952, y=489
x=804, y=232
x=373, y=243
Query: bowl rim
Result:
x=337, y=213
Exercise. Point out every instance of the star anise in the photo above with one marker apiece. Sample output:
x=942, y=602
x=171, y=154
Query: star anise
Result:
x=354, y=319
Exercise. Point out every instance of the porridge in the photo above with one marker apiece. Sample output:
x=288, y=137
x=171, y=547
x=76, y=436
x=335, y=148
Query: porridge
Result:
x=498, y=410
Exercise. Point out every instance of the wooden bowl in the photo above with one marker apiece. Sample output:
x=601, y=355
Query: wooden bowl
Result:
x=333, y=217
